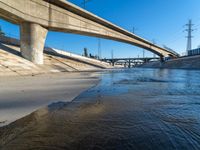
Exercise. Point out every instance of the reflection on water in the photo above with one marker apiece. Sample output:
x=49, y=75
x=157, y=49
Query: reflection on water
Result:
x=129, y=109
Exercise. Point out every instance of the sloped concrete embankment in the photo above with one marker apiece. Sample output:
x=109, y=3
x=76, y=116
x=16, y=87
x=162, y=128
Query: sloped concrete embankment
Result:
x=11, y=62
x=192, y=62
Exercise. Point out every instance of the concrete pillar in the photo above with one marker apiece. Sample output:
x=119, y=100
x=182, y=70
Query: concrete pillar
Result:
x=113, y=63
x=129, y=63
x=162, y=59
x=32, y=40
x=146, y=60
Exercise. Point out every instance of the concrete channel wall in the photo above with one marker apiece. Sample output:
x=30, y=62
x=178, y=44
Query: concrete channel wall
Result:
x=55, y=52
x=190, y=62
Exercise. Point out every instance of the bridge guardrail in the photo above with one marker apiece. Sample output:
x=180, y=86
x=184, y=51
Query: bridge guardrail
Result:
x=194, y=52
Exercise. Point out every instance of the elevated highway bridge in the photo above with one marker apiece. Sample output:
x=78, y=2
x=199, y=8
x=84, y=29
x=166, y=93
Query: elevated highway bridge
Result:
x=36, y=17
x=129, y=62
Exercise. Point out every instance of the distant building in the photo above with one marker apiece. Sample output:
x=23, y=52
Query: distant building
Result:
x=85, y=52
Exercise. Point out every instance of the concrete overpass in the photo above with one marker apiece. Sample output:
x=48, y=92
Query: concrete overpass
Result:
x=36, y=17
x=129, y=61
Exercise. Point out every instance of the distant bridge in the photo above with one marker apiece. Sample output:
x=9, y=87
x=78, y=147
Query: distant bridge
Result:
x=36, y=17
x=130, y=62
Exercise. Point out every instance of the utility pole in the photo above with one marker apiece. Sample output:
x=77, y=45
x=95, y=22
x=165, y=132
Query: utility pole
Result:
x=143, y=53
x=84, y=3
x=189, y=36
x=99, y=48
x=112, y=54
x=133, y=30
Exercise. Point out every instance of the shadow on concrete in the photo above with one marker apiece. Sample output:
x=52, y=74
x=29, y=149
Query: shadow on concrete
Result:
x=9, y=50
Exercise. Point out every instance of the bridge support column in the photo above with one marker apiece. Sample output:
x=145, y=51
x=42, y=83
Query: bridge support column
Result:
x=32, y=39
x=129, y=63
x=113, y=63
x=162, y=59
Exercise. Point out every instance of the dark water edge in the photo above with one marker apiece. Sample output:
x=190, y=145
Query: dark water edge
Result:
x=151, y=109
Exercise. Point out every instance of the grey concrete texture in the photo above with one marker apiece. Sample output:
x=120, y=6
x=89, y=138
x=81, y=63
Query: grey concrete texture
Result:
x=191, y=62
x=32, y=39
x=12, y=64
x=21, y=95
x=63, y=16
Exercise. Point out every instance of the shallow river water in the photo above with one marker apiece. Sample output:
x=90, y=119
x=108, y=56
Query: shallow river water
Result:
x=149, y=109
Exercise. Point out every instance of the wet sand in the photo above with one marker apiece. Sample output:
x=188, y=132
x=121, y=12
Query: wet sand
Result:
x=21, y=95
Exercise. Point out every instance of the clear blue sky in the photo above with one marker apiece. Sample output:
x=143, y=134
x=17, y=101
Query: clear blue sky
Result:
x=159, y=20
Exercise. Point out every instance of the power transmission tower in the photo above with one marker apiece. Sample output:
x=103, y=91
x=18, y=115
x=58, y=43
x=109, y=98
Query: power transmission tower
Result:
x=189, y=36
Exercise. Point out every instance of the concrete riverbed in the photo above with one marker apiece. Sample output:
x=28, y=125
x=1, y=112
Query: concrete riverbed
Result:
x=128, y=109
x=21, y=95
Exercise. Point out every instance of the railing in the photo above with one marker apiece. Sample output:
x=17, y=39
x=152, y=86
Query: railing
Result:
x=171, y=50
x=194, y=52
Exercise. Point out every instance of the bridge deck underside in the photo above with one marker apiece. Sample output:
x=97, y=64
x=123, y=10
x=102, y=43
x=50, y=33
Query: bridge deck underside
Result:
x=65, y=17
